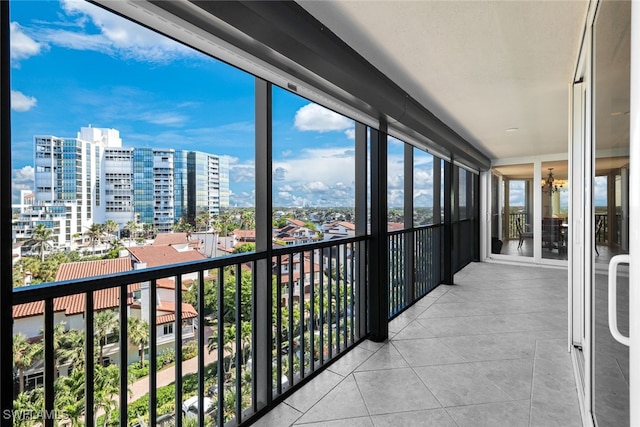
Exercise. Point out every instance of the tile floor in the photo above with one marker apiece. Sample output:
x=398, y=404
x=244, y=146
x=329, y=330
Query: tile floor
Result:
x=490, y=350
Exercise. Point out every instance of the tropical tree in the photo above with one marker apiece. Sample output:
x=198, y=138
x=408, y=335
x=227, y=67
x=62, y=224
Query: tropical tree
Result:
x=28, y=402
x=132, y=228
x=68, y=347
x=148, y=230
x=228, y=338
x=110, y=227
x=244, y=247
x=95, y=233
x=70, y=392
x=106, y=386
x=203, y=220
x=24, y=354
x=71, y=348
x=183, y=226
x=247, y=219
x=41, y=235
x=138, y=331
x=105, y=322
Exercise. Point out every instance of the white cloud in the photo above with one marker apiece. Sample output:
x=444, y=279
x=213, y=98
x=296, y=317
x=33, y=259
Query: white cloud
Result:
x=242, y=173
x=313, y=117
x=21, y=102
x=279, y=174
x=231, y=159
x=394, y=141
x=165, y=119
x=99, y=30
x=23, y=179
x=351, y=133
x=22, y=45
x=285, y=188
x=315, y=187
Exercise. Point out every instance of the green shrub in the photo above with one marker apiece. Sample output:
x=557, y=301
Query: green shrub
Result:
x=167, y=357
x=136, y=371
x=189, y=350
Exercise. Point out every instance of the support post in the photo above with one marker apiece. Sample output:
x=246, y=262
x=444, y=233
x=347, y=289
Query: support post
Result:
x=6, y=290
x=262, y=293
x=409, y=238
x=447, y=247
x=379, y=266
x=361, y=214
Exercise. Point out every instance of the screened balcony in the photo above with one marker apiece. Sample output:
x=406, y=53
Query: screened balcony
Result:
x=394, y=322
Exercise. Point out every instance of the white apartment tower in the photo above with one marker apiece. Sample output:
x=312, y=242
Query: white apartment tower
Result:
x=93, y=178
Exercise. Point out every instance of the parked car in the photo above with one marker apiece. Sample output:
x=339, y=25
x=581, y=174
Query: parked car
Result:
x=190, y=406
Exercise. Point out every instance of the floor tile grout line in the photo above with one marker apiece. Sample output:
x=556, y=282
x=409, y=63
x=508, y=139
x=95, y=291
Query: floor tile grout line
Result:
x=299, y=412
x=533, y=378
x=487, y=403
x=366, y=406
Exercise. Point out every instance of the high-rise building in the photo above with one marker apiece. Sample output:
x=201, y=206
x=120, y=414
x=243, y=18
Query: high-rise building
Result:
x=93, y=178
x=205, y=184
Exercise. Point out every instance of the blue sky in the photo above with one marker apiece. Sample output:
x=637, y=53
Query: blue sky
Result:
x=74, y=64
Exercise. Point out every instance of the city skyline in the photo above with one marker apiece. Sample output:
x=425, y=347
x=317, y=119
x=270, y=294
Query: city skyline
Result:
x=74, y=64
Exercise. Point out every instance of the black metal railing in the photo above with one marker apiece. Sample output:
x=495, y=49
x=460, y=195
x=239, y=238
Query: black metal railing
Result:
x=316, y=312
x=414, y=265
x=512, y=228
x=602, y=233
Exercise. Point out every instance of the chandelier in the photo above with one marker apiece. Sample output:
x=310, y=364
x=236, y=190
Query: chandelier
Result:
x=551, y=185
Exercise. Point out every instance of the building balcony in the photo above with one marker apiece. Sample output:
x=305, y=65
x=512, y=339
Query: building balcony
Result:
x=488, y=350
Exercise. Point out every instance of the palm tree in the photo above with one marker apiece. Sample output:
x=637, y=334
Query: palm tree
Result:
x=247, y=220
x=106, y=380
x=70, y=396
x=105, y=322
x=30, y=402
x=138, y=330
x=24, y=354
x=110, y=227
x=41, y=234
x=149, y=230
x=228, y=338
x=132, y=228
x=203, y=220
x=71, y=348
x=95, y=234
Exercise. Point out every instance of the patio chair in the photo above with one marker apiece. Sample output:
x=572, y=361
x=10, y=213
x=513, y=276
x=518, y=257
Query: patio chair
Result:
x=521, y=233
x=552, y=234
x=599, y=226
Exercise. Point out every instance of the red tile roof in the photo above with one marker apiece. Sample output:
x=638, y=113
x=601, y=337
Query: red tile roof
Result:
x=155, y=256
x=188, y=312
x=395, y=226
x=74, y=304
x=170, y=239
x=167, y=283
x=347, y=225
x=244, y=234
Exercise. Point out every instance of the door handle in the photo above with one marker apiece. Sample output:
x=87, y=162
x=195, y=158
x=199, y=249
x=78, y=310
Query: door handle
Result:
x=613, y=314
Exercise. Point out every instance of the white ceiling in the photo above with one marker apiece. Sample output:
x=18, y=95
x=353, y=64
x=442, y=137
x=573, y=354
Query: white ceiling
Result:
x=481, y=66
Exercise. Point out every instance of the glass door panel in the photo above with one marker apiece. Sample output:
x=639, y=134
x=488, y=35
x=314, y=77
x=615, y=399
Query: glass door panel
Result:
x=610, y=370
x=555, y=209
x=512, y=210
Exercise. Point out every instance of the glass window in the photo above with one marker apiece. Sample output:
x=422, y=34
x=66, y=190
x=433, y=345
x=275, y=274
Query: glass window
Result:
x=395, y=183
x=313, y=171
x=512, y=210
x=422, y=188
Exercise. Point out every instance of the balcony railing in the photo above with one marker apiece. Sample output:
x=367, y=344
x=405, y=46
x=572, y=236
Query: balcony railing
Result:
x=267, y=340
x=414, y=265
x=512, y=229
